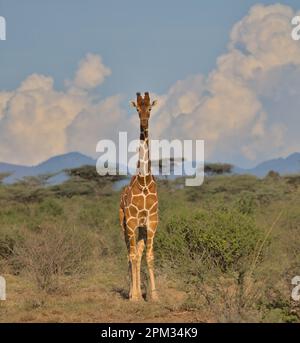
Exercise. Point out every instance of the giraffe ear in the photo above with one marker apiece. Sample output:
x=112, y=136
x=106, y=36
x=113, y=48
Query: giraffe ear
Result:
x=132, y=104
x=154, y=103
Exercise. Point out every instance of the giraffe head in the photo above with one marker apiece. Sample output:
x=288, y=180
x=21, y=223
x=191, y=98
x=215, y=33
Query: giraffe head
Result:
x=143, y=106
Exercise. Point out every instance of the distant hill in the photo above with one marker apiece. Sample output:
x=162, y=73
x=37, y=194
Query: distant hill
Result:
x=56, y=165
x=7, y=168
x=51, y=166
x=288, y=165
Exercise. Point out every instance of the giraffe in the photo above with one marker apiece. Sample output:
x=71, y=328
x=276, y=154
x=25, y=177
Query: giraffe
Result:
x=139, y=208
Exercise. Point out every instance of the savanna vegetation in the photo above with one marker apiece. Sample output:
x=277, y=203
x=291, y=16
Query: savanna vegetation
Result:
x=225, y=251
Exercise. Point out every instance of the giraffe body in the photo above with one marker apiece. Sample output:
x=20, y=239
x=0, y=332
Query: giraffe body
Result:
x=139, y=209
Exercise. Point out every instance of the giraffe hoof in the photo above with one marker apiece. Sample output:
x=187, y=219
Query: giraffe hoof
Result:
x=135, y=298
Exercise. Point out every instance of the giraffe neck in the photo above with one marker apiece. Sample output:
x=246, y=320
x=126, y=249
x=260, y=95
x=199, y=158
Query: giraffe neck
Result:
x=144, y=164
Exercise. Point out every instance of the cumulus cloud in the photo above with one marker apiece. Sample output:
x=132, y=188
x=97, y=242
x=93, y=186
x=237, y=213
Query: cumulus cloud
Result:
x=236, y=107
x=91, y=72
x=103, y=120
x=246, y=109
x=36, y=119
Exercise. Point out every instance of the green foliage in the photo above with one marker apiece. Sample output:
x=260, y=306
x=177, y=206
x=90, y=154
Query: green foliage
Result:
x=222, y=238
x=27, y=194
x=85, y=181
x=50, y=207
x=89, y=173
x=246, y=202
x=293, y=180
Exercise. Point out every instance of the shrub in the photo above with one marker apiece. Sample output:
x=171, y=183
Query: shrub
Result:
x=246, y=203
x=8, y=240
x=53, y=252
x=217, y=238
x=273, y=175
x=293, y=180
x=50, y=207
x=218, y=168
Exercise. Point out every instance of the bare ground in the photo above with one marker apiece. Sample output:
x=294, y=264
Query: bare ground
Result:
x=100, y=297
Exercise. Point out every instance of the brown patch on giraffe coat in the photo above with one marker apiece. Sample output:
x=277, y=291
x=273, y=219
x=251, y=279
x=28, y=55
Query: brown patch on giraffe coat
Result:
x=133, y=210
x=153, y=217
x=138, y=201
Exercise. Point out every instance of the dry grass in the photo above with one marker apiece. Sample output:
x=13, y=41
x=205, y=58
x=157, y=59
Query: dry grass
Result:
x=51, y=253
x=101, y=297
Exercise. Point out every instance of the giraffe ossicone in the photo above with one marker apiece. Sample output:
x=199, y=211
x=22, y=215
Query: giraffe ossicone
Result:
x=139, y=207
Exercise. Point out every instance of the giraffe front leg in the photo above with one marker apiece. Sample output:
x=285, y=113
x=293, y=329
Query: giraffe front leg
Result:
x=151, y=229
x=133, y=257
x=140, y=249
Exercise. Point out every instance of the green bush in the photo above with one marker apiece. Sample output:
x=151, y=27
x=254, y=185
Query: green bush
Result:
x=51, y=207
x=219, y=238
x=246, y=203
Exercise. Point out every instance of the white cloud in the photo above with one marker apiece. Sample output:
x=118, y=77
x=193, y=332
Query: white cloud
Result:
x=235, y=109
x=103, y=120
x=35, y=119
x=91, y=72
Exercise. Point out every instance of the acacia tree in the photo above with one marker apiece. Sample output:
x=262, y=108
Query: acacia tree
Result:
x=218, y=168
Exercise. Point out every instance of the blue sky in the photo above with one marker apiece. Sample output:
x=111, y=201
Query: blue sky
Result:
x=147, y=44
x=52, y=47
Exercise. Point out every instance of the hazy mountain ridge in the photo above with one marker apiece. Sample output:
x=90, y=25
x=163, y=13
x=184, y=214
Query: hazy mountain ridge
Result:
x=284, y=166
x=56, y=165
x=53, y=165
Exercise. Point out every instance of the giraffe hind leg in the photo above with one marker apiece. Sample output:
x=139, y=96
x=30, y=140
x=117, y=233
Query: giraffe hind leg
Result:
x=151, y=229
